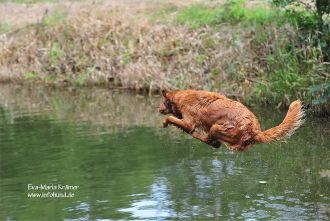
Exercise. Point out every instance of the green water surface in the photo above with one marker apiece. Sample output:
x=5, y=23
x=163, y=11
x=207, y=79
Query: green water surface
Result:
x=127, y=167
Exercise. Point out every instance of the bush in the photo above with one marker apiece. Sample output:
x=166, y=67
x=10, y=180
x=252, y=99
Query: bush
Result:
x=314, y=31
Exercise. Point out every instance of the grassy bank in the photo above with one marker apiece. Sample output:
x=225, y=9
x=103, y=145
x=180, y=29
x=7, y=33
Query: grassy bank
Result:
x=256, y=52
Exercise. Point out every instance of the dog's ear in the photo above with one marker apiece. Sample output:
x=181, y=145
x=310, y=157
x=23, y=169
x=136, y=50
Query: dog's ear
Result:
x=164, y=93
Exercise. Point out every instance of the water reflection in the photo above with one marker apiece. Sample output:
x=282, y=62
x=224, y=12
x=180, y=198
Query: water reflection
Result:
x=155, y=205
x=128, y=168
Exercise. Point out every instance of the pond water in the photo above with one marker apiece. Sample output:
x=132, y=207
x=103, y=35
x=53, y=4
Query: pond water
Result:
x=119, y=164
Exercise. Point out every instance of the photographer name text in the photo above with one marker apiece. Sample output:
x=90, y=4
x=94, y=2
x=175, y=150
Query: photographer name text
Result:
x=51, y=187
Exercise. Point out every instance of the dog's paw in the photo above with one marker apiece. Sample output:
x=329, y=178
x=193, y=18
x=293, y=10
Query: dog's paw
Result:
x=165, y=124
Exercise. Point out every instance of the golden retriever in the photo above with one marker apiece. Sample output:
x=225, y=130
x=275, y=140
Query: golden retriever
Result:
x=215, y=119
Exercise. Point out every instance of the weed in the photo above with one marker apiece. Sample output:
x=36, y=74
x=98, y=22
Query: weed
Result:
x=83, y=77
x=5, y=27
x=125, y=57
x=55, y=53
x=30, y=75
x=54, y=18
x=198, y=15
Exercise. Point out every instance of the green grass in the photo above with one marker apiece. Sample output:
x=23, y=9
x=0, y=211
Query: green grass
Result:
x=55, y=17
x=30, y=75
x=56, y=52
x=5, y=27
x=236, y=12
x=233, y=12
x=198, y=15
x=83, y=77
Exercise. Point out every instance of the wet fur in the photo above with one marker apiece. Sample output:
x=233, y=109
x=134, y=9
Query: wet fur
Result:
x=215, y=119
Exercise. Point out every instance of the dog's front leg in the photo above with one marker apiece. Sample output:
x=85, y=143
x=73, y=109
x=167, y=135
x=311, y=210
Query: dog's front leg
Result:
x=187, y=127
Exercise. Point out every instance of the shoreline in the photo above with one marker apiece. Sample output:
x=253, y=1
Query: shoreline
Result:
x=310, y=110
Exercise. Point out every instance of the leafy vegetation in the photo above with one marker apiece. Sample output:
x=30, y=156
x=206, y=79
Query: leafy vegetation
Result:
x=291, y=62
x=314, y=31
x=321, y=92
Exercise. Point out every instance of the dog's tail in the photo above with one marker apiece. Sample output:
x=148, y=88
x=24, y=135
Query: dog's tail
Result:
x=292, y=121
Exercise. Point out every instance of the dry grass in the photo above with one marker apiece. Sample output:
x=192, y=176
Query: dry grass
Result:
x=119, y=45
x=34, y=13
x=95, y=48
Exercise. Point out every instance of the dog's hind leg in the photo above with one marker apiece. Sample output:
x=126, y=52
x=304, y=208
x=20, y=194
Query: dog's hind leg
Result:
x=218, y=132
x=213, y=143
x=187, y=127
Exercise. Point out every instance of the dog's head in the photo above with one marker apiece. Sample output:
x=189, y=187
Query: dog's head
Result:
x=166, y=106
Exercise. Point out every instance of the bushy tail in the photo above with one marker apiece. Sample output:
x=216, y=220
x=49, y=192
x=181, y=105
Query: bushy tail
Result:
x=292, y=121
